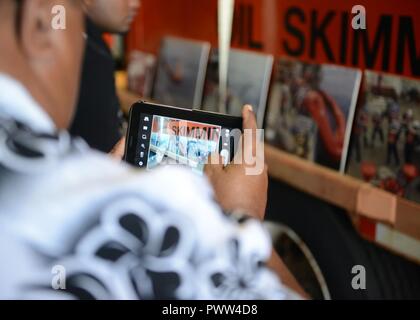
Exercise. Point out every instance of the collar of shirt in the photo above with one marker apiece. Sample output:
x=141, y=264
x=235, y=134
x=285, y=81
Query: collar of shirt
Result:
x=96, y=41
x=17, y=103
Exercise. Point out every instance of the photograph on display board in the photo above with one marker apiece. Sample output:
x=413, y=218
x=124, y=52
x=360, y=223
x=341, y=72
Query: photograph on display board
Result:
x=181, y=72
x=311, y=110
x=248, y=82
x=385, y=144
x=141, y=71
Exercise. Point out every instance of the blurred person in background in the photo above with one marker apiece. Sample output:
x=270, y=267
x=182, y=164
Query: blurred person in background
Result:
x=76, y=224
x=98, y=119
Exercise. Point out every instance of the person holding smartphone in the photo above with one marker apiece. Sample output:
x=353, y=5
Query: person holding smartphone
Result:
x=75, y=224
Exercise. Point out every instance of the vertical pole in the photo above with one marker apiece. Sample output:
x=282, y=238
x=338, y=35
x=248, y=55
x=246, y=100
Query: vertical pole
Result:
x=225, y=21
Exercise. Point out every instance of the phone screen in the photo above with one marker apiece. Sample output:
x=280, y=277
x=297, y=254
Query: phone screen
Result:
x=166, y=140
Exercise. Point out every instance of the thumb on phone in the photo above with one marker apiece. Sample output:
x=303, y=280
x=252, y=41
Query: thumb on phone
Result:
x=249, y=121
x=249, y=125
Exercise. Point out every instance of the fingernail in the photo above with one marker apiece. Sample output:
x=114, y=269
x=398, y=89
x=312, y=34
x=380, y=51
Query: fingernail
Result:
x=249, y=108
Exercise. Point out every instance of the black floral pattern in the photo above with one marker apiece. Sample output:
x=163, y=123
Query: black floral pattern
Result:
x=152, y=248
x=156, y=251
x=26, y=151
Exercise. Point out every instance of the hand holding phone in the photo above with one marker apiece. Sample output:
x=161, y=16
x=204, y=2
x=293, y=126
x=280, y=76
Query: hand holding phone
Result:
x=161, y=135
x=235, y=190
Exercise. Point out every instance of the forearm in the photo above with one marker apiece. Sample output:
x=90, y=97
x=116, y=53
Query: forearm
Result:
x=278, y=266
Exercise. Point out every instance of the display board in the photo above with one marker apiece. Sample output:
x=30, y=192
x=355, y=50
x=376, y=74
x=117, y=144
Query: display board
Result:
x=313, y=30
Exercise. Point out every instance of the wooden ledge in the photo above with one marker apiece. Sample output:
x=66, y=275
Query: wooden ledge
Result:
x=353, y=195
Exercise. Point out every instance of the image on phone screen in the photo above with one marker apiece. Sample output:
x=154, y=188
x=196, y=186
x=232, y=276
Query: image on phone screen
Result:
x=169, y=141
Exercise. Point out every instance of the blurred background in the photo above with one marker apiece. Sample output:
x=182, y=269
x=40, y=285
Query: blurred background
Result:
x=341, y=109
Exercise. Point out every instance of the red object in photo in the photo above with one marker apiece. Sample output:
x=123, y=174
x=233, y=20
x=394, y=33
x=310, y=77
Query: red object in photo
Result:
x=368, y=170
x=319, y=104
x=392, y=185
x=410, y=172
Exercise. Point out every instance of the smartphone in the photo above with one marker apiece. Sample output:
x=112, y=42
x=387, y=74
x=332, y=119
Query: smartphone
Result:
x=161, y=135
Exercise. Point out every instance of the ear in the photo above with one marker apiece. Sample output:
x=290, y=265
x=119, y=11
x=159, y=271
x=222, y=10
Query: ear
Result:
x=36, y=31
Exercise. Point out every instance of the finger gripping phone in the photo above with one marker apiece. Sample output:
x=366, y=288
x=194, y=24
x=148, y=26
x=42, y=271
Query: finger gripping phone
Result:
x=161, y=135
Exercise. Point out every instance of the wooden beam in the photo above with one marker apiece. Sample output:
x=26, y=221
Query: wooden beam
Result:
x=407, y=218
x=355, y=196
x=318, y=181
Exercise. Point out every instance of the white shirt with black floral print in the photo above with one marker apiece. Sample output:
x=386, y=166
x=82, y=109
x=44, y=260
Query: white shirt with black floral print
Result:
x=118, y=233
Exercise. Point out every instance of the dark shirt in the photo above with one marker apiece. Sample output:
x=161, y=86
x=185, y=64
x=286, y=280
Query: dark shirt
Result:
x=97, y=118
